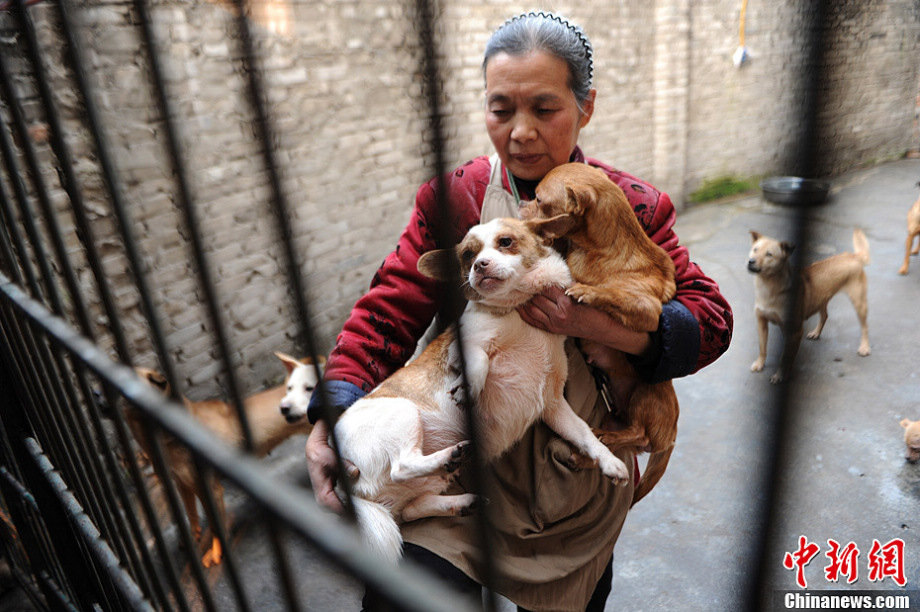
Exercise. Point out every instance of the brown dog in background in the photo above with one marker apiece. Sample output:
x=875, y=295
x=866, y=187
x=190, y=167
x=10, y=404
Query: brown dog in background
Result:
x=770, y=261
x=620, y=270
x=913, y=231
x=269, y=429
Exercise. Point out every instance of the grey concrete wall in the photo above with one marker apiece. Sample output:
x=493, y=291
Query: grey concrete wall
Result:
x=344, y=90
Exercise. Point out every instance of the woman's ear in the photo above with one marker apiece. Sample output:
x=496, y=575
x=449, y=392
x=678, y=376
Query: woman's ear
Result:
x=587, y=108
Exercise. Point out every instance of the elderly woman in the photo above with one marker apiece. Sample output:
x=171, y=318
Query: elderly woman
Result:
x=554, y=528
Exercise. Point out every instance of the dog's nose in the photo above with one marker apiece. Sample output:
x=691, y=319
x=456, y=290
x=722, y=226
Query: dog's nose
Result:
x=482, y=264
x=285, y=408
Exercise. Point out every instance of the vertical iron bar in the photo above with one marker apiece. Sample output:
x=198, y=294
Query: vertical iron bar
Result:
x=776, y=446
x=429, y=51
x=191, y=218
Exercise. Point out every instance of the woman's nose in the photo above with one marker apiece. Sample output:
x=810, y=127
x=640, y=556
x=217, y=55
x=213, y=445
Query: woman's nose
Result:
x=524, y=129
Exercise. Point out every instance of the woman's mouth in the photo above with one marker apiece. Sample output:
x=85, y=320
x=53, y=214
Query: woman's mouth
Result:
x=527, y=160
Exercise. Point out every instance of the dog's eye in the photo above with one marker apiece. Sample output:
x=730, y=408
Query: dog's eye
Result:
x=290, y=388
x=505, y=242
x=308, y=388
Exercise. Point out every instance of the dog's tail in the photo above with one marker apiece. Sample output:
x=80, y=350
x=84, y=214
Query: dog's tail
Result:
x=861, y=245
x=654, y=470
x=379, y=529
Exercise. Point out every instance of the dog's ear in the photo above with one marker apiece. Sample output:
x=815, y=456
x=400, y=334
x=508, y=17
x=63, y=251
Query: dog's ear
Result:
x=905, y=423
x=755, y=235
x=579, y=198
x=157, y=380
x=437, y=264
x=289, y=362
x=553, y=227
x=787, y=247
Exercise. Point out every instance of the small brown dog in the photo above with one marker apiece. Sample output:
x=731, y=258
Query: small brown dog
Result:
x=770, y=261
x=619, y=269
x=913, y=231
x=911, y=440
x=269, y=429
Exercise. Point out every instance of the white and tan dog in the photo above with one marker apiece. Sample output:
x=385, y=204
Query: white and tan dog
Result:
x=408, y=435
x=267, y=427
x=770, y=261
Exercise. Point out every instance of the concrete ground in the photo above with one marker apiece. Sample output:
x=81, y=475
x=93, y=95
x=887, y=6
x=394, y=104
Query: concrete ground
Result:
x=689, y=544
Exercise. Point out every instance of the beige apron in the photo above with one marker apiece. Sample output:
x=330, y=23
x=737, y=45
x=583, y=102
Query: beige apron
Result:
x=553, y=528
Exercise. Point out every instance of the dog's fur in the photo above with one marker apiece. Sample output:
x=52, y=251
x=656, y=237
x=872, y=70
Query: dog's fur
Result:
x=770, y=262
x=408, y=436
x=620, y=270
x=913, y=231
x=911, y=440
x=268, y=428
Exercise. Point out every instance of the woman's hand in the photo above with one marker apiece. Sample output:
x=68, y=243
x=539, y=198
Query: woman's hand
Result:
x=322, y=467
x=557, y=313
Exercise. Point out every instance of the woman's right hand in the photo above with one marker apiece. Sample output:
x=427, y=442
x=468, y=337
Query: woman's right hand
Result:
x=322, y=467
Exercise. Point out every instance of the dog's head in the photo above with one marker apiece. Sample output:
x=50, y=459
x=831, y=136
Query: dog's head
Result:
x=573, y=198
x=767, y=255
x=152, y=377
x=911, y=440
x=299, y=385
x=503, y=263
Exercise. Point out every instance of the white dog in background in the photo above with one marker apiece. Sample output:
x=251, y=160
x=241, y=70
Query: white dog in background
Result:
x=408, y=435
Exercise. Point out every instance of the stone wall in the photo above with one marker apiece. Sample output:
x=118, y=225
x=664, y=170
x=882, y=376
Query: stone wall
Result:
x=345, y=94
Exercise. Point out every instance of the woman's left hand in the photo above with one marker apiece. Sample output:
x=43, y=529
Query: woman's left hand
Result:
x=557, y=313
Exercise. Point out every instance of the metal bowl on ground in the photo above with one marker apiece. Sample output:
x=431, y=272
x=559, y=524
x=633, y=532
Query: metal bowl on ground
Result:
x=794, y=190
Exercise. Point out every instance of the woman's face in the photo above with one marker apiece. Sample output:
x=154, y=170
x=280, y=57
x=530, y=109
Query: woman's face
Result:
x=531, y=114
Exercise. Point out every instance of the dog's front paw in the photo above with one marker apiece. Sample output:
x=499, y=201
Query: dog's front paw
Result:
x=583, y=294
x=757, y=366
x=614, y=469
x=776, y=378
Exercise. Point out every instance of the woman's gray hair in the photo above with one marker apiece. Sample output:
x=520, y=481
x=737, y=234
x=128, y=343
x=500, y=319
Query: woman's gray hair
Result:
x=542, y=31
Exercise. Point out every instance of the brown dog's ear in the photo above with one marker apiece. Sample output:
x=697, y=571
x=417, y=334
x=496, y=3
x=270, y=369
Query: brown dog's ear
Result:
x=157, y=380
x=578, y=198
x=755, y=235
x=787, y=247
x=553, y=227
x=905, y=423
x=437, y=264
x=289, y=362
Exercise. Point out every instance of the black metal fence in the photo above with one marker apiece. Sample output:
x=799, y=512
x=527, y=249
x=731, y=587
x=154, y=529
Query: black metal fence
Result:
x=80, y=528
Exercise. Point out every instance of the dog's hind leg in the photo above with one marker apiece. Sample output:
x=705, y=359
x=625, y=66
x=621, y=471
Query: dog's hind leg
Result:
x=908, y=251
x=439, y=505
x=856, y=291
x=413, y=464
x=822, y=319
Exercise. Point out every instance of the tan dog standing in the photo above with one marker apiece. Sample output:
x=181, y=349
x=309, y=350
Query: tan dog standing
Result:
x=619, y=269
x=268, y=428
x=911, y=440
x=913, y=231
x=770, y=261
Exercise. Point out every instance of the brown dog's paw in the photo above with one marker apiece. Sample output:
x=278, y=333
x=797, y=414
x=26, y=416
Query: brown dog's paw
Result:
x=583, y=294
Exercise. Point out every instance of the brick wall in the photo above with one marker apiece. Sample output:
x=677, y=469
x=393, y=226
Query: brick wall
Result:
x=344, y=90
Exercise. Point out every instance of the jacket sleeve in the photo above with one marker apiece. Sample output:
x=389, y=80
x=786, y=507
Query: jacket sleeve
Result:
x=385, y=324
x=696, y=325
